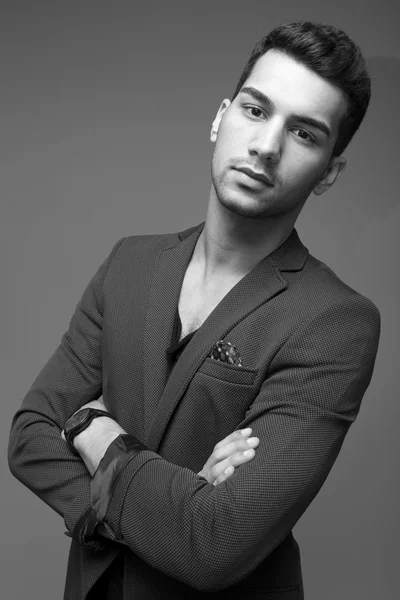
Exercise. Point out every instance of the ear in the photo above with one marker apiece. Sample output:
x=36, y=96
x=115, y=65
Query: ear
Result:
x=332, y=173
x=215, y=126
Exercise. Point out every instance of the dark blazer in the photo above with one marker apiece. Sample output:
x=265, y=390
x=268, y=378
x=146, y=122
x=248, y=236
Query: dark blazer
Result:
x=308, y=344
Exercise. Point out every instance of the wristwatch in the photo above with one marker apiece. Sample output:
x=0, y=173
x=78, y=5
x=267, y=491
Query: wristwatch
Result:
x=79, y=422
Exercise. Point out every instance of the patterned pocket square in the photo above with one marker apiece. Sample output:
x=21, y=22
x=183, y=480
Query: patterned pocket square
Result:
x=226, y=352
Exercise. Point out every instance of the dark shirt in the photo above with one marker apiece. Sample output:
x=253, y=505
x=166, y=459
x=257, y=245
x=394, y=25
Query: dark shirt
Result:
x=110, y=585
x=177, y=347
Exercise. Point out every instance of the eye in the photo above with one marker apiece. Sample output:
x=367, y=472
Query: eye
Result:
x=304, y=135
x=254, y=111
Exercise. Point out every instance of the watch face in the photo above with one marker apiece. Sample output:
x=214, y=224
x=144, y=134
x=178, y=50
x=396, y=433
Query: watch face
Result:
x=77, y=419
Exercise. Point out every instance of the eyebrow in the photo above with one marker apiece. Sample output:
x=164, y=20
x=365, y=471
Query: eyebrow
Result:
x=263, y=99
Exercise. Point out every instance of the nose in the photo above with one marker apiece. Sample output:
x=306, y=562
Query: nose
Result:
x=267, y=142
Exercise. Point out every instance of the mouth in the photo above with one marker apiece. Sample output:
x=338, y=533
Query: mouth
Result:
x=255, y=175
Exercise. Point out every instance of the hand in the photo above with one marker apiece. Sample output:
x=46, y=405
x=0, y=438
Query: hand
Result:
x=234, y=450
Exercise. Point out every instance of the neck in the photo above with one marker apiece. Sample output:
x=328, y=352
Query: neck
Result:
x=231, y=244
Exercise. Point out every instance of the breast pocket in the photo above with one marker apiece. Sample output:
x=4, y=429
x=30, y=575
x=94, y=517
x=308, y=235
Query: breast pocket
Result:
x=212, y=407
x=225, y=392
x=226, y=372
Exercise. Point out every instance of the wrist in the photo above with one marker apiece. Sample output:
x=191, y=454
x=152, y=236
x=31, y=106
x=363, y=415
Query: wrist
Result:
x=81, y=420
x=92, y=443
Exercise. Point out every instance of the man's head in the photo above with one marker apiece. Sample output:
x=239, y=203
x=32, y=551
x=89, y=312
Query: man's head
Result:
x=330, y=53
x=301, y=96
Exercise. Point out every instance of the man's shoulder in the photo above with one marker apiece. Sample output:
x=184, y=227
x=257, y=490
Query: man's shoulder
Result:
x=325, y=287
x=156, y=241
x=142, y=250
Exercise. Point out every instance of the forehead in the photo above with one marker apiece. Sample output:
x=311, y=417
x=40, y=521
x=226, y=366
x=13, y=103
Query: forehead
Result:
x=295, y=89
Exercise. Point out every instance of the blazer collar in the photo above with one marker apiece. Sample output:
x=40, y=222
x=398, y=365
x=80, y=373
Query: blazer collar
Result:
x=291, y=255
x=261, y=284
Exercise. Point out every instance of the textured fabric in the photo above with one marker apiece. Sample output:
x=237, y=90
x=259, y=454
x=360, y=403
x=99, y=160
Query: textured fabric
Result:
x=102, y=484
x=308, y=344
x=110, y=585
x=117, y=455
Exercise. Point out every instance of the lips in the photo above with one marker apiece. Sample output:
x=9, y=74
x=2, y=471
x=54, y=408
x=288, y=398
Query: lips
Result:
x=255, y=175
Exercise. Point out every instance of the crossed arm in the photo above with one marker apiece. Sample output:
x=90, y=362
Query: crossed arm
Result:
x=92, y=444
x=231, y=452
x=209, y=536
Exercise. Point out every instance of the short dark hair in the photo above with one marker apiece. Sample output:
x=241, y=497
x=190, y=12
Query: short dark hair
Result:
x=330, y=53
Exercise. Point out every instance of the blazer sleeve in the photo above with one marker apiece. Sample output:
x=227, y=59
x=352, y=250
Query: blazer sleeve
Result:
x=211, y=537
x=37, y=455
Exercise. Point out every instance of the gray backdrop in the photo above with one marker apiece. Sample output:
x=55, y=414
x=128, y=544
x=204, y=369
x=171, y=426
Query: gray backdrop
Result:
x=106, y=109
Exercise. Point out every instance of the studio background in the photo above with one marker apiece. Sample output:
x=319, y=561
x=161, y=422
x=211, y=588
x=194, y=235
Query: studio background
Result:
x=106, y=109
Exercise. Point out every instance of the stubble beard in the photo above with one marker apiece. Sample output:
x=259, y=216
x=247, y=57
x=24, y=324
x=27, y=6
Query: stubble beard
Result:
x=243, y=204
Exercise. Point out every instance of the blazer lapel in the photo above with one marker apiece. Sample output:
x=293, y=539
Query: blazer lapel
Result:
x=164, y=295
x=261, y=284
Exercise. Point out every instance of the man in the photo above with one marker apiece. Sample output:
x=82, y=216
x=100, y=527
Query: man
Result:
x=189, y=337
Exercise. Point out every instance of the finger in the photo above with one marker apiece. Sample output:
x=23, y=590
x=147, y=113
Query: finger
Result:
x=234, y=460
x=220, y=459
x=241, y=441
x=224, y=475
x=240, y=458
x=236, y=435
x=220, y=451
x=233, y=447
x=218, y=469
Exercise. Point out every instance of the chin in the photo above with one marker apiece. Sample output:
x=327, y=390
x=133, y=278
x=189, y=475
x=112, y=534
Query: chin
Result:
x=243, y=203
x=242, y=207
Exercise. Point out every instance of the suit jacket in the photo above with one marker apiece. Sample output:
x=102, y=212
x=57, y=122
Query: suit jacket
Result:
x=308, y=344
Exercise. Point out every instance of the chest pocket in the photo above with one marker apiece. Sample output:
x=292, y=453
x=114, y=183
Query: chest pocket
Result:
x=214, y=404
x=226, y=391
x=226, y=372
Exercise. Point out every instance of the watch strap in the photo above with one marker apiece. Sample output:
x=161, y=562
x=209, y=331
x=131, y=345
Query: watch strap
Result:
x=79, y=427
